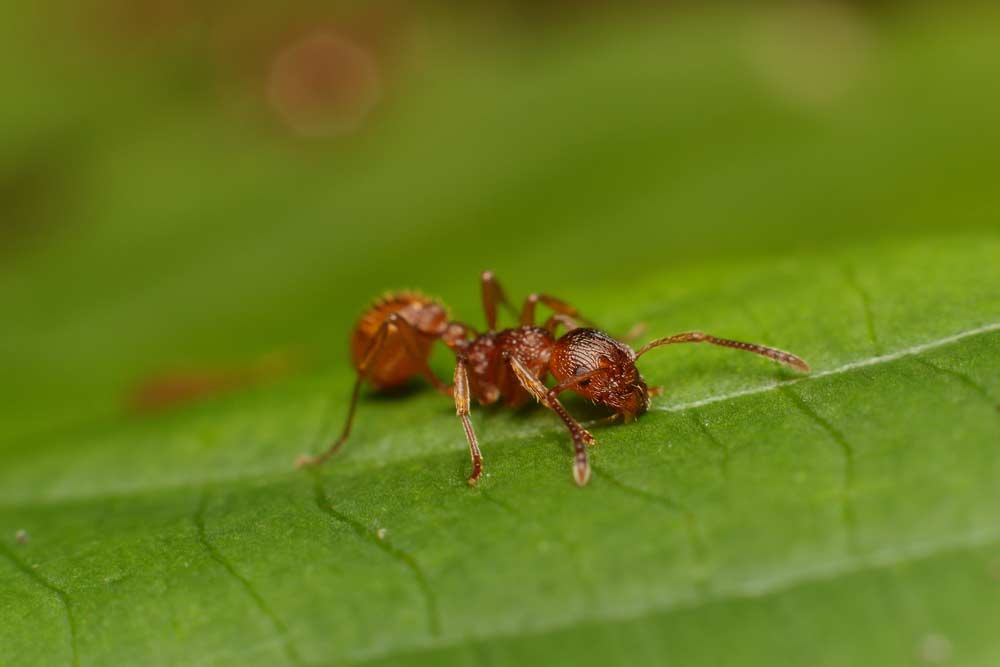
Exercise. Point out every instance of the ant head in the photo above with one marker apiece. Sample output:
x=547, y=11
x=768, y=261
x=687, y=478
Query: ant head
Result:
x=607, y=368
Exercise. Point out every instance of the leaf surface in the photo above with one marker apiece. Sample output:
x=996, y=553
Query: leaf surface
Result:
x=751, y=517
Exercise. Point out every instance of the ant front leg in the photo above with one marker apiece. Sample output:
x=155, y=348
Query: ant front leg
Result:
x=549, y=398
x=493, y=295
x=462, y=410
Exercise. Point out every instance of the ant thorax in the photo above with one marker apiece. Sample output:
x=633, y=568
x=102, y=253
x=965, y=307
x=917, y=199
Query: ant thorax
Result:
x=490, y=375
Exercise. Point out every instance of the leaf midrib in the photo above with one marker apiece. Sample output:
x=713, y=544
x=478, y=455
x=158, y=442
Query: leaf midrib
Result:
x=913, y=351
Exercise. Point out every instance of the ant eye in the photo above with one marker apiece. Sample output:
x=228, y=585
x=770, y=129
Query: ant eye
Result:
x=584, y=383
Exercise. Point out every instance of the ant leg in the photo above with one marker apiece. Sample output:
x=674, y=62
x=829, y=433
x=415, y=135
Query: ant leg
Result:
x=549, y=398
x=780, y=356
x=305, y=460
x=555, y=320
x=572, y=383
x=493, y=294
x=610, y=419
x=557, y=305
x=371, y=354
x=634, y=333
x=462, y=410
x=408, y=334
x=553, y=323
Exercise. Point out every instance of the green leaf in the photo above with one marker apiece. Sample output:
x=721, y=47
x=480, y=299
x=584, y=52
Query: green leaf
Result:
x=751, y=517
x=857, y=507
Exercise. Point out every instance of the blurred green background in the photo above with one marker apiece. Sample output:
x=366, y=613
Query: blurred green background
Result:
x=205, y=195
x=161, y=206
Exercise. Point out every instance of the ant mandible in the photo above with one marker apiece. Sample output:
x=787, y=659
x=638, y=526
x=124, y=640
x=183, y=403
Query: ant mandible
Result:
x=391, y=344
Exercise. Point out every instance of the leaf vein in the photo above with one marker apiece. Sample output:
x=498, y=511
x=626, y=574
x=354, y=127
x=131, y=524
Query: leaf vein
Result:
x=407, y=560
x=502, y=504
x=216, y=555
x=60, y=593
x=964, y=378
x=718, y=444
x=784, y=580
x=866, y=305
x=847, y=511
x=692, y=526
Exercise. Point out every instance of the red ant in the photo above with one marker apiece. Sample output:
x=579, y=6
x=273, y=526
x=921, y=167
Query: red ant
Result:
x=391, y=343
x=513, y=363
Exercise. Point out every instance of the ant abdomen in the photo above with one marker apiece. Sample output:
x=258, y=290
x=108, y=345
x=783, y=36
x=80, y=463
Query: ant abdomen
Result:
x=403, y=326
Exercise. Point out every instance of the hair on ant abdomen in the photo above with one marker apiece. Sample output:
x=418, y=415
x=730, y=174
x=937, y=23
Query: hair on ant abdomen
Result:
x=511, y=365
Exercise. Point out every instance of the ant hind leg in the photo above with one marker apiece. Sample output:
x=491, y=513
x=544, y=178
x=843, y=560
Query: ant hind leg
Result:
x=408, y=336
x=367, y=361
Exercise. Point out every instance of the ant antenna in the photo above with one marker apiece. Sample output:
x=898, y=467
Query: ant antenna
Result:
x=780, y=356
